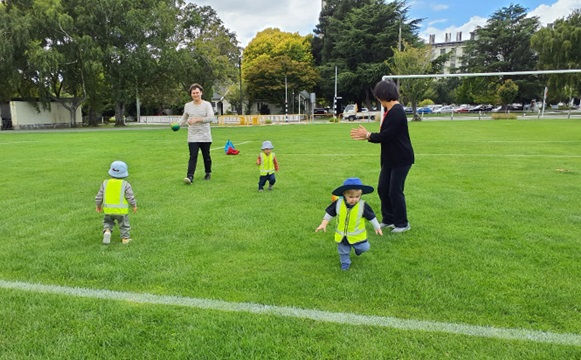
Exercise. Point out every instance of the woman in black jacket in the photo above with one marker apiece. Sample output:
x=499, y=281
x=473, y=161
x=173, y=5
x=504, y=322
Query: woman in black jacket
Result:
x=397, y=156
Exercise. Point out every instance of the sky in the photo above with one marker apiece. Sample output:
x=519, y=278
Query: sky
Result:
x=247, y=18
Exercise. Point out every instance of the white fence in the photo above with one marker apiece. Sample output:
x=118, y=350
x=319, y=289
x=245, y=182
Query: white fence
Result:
x=230, y=119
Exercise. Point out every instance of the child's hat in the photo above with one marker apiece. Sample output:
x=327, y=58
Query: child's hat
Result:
x=352, y=183
x=118, y=169
x=266, y=145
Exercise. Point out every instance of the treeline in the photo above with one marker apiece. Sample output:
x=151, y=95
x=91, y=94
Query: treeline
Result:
x=108, y=55
x=105, y=54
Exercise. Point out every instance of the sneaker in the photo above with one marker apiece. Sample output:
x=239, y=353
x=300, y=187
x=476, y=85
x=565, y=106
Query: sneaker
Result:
x=345, y=267
x=401, y=229
x=260, y=190
x=126, y=241
x=208, y=176
x=188, y=180
x=106, y=237
x=382, y=226
x=270, y=187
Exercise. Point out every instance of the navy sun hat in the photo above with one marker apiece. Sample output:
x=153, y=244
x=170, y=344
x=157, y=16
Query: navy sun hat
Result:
x=118, y=169
x=352, y=183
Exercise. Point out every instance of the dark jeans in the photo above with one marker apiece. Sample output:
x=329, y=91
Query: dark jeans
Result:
x=262, y=180
x=390, y=190
x=194, y=147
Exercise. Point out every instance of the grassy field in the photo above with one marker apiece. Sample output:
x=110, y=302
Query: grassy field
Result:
x=496, y=222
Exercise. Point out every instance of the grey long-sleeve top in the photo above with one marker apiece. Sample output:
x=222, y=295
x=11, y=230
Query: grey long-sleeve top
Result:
x=198, y=132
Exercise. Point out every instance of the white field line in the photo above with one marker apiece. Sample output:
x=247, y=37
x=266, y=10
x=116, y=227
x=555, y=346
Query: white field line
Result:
x=19, y=142
x=316, y=315
x=425, y=154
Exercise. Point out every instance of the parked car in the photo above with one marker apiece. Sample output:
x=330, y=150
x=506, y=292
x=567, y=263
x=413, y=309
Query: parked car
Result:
x=462, y=108
x=444, y=109
x=424, y=110
x=483, y=108
x=408, y=109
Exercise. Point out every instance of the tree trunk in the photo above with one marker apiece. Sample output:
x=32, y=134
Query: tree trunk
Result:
x=93, y=121
x=119, y=114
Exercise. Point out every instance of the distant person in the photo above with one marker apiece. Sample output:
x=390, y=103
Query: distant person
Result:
x=198, y=114
x=113, y=199
x=351, y=211
x=397, y=156
x=267, y=164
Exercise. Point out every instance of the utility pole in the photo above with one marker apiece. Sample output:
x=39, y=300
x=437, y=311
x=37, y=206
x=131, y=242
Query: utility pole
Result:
x=285, y=99
x=240, y=73
x=335, y=97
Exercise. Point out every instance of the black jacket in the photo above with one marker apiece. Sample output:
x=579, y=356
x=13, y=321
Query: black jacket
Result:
x=396, y=146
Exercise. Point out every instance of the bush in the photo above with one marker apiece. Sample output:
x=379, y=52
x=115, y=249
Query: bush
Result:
x=503, y=116
x=426, y=102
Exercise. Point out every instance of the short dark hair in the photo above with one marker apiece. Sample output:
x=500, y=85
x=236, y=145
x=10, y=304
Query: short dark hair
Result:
x=386, y=90
x=195, y=86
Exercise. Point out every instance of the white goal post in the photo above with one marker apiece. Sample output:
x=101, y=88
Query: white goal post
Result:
x=532, y=72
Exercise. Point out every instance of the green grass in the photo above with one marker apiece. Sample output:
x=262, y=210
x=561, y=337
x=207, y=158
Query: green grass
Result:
x=494, y=242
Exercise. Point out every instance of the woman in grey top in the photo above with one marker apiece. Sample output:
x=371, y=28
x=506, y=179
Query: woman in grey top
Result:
x=198, y=114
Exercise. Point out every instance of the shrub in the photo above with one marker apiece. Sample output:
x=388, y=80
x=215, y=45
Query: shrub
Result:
x=503, y=116
x=426, y=102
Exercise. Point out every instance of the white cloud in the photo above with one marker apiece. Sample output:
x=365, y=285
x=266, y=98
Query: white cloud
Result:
x=437, y=21
x=546, y=13
x=561, y=9
x=465, y=29
x=247, y=18
x=439, y=7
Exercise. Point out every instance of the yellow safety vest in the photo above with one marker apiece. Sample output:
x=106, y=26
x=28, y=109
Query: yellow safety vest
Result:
x=350, y=222
x=266, y=163
x=114, y=202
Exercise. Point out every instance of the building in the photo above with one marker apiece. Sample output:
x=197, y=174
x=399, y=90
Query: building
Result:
x=449, y=45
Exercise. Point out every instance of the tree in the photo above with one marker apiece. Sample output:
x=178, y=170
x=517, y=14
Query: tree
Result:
x=503, y=45
x=558, y=48
x=507, y=92
x=272, y=56
x=357, y=36
x=409, y=61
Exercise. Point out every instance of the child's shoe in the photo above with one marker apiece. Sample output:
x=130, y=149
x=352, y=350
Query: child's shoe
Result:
x=270, y=187
x=345, y=267
x=126, y=241
x=106, y=237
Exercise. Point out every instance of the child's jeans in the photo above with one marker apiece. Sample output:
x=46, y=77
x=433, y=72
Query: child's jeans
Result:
x=263, y=178
x=122, y=220
x=344, y=249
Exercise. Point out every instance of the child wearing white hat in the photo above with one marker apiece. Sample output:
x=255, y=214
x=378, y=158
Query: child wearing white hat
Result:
x=113, y=199
x=351, y=212
x=267, y=164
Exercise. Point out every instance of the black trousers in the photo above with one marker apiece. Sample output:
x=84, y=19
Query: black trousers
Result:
x=390, y=190
x=194, y=147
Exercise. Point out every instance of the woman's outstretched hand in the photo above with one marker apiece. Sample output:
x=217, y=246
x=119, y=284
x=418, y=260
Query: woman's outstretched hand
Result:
x=359, y=133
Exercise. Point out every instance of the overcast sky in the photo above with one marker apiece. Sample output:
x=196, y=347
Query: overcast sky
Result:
x=246, y=18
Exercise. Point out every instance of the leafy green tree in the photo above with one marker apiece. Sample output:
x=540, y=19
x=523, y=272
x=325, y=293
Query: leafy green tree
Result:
x=270, y=57
x=208, y=52
x=558, y=48
x=507, y=92
x=503, y=45
x=412, y=60
x=358, y=36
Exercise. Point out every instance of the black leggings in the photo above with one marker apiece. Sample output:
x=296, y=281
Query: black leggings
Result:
x=390, y=190
x=205, y=147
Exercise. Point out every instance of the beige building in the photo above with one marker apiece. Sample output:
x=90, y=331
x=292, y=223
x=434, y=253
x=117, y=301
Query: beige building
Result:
x=455, y=46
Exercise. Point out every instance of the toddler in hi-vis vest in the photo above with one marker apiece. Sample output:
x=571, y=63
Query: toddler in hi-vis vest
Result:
x=351, y=212
x=113, y=199
x=268, y=165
